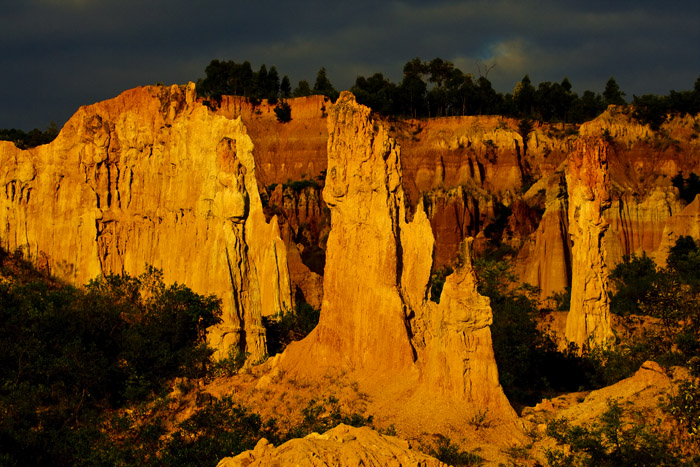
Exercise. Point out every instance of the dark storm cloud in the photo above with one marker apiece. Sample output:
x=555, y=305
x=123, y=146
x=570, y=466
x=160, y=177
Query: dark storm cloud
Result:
x=60, y=54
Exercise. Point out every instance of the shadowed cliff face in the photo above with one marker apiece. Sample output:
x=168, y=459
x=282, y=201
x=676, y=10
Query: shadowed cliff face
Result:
x=151, y=177
x=376, y=321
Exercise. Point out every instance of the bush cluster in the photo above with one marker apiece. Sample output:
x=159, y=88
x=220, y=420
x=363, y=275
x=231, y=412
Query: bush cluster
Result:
x=68, y=355
x=437, y=88
x=530, y=365
x=30, y=139
x=290, y=326
x=619, y=438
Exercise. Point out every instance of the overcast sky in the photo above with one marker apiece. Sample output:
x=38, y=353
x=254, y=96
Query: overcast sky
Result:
x=57, y=55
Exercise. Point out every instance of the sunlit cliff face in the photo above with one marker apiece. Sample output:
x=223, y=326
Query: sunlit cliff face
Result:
x=152, y=177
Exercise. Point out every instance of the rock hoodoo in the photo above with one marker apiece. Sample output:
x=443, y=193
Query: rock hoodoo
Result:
x=589, y=190
x=376, y=321
x=154, y=177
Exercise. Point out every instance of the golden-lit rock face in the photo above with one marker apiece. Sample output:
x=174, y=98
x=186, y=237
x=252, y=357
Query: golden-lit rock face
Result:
x=589, y=191
x=375, y=319
x=151, y=177
x=342, y=446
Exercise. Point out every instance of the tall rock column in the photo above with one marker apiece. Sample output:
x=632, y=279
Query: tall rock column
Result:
x=589, y=189
x=417, y=356
x=363, y=320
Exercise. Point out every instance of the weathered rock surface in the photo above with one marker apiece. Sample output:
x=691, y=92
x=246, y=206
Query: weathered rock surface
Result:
x=644, y=389
x=448, y=152
x=637, y=223
x=363, y=322
x=304, y=223
x=639, y=394
x=454, y=215
x=152, y=177
x=375, y=319
x=468, y=167
x=589, y=192
x=686, y=222
x=342, y=446
x=283, y=151
x=545, y=258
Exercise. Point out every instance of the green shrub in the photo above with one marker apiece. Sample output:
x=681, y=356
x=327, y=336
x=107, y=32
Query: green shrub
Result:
x=74, y=353
x=684, y=262
x=616, y=439
x=283, y=111
x=562, y=300
x=289, y=326
x=298, y=185
x=631, y=280
x=451, y=454
x=685, y=407
x=321, y=416
x=688, y=188
x=530, y=366
x=437, y=282
x=228, y=365
x=219, y=429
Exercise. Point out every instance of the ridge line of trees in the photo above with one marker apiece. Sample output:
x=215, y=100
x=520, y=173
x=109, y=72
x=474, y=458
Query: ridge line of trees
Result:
x=435, y=88
x=438, y=88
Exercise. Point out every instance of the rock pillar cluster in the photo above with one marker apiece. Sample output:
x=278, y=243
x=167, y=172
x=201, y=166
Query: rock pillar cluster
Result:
x=376, y=320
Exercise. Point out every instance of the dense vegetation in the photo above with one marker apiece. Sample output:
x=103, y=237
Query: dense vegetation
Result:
x=530, y=365
x=293, y=325
x=73, y=360
x=434, y=88
x=619, y=438
x=670, y=296
x=688, y=188
x=438, y=88
x=85, y=373
x=239, y=79
x=69, y=355
x=33, y=138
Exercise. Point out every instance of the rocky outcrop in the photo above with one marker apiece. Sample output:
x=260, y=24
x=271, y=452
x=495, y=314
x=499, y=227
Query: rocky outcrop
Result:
x=643, y=390
x=455, y=347
x=151, y=177
x=545, y=258
x=488, y=159
x=686, y=222
x=342, y=446
x=376, y=321
x=589, y=193
x=363, y=321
